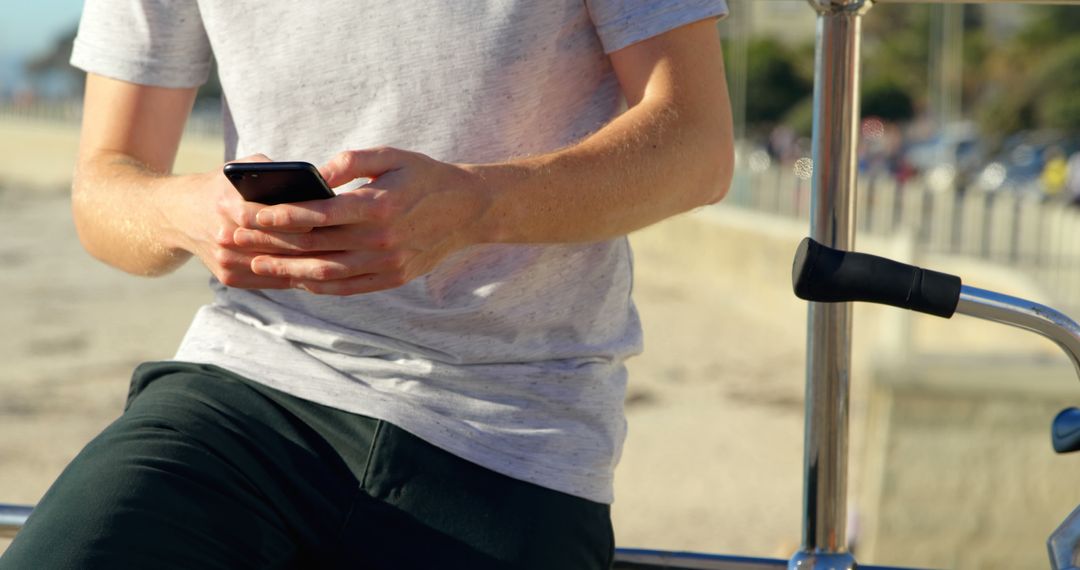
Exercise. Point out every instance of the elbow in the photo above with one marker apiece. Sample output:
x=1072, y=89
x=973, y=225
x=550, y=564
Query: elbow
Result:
x=724, y=172
x=719, y=161
x=114, y=242
x=79, y=216
x=82, y=215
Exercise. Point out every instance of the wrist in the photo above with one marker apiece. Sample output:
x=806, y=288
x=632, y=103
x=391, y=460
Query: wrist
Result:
x=177, y=201
x=499, y=188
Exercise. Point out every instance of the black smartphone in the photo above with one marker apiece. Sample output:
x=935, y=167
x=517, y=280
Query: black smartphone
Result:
x=277, y=182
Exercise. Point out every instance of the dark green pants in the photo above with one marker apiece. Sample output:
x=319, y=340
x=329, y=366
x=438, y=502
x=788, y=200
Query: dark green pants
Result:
x=208, y=470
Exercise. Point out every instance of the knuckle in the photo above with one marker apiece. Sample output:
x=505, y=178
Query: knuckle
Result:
x=380, y=210
x=323, y=272
x=319, y=217
x=383, y=241
x=221, y=257
x=223, y=205
x=395, y=260
x=396, y=278
x=270, y=268
x=223, y=237
x=285, y=217
x=306, y=241
x=230, y=278
x=392, y=240
x=244, y=218
x=346, y=160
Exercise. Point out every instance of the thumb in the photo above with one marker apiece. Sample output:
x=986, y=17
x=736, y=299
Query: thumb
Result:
x=368, y=163
x=251, y=158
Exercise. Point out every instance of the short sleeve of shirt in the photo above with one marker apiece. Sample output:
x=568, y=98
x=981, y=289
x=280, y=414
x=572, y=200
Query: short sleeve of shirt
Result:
x=149, y=42
x=620, y=23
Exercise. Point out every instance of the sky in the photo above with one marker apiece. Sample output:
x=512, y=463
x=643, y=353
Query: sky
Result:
x=29, y=27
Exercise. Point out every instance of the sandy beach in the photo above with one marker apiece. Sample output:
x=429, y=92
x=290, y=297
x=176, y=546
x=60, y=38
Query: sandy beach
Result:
x=714, y=457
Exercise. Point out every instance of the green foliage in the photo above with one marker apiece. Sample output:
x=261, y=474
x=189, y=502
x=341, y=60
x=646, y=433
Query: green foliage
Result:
x=888, y=100
x=1056, y=87
x=897, y=48
x=800, y=118
x=773, y=81
x=1051, y=24
x=1031, y=81
x=1034, y=81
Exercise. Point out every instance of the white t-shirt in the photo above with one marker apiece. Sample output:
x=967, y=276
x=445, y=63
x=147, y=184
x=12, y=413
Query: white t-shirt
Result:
x=510, y=356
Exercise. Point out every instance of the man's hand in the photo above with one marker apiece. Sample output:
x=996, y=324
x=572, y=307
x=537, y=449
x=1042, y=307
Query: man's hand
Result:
x=412, y=214
x=209, y=234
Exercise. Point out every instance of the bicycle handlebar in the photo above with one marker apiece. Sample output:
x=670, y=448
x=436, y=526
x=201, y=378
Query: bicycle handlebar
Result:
x=823, y=274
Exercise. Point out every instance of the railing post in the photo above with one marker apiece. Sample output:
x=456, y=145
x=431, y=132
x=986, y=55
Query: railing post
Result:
x=12, y=518
x=832, y=211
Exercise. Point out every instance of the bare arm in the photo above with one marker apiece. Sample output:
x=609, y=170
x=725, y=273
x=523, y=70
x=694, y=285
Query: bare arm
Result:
x=669, y=152
x=130, y=135
x=130, y=212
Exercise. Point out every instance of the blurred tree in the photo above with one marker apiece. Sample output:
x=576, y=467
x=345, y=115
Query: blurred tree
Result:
x=800, y=118
x=775, y=81
x=1032, y=82
x=1050, y=24
x=887, y=99
x=897, y=52
x=1056, y=87
x=896, y=49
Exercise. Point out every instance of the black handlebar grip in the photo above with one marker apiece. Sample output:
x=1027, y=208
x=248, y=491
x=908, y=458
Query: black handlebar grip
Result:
x=823, y=274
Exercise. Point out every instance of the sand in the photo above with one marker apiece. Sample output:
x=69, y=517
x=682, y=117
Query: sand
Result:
x=713, y=461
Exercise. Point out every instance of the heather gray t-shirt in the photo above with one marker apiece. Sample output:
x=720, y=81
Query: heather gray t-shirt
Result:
x=510, y=356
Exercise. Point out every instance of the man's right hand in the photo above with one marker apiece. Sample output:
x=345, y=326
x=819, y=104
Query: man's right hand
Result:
x=205, y=228
x=131, y=213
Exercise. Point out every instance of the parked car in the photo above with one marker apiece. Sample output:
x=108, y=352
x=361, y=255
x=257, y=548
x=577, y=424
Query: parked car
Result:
x=1020, y=163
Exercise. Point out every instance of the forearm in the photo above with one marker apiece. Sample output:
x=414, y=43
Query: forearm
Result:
x=652, y=162
x=123, y=212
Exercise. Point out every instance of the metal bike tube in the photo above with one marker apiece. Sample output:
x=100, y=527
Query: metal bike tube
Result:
x=1018, y=2
x=1024, y=314
x=12, y=518
x=828, y=353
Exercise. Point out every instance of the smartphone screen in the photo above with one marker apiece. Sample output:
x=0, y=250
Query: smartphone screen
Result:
x=277, y=182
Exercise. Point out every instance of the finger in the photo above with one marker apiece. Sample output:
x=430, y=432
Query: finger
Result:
x=245, y=214
x=368, y=283
x=257, y=157
x=237, y=211
x=338, y=238
x=365, y=204
x=333, y=238
x=329, y=266
x=252, y=281
x=233, y=269
x=368, y=163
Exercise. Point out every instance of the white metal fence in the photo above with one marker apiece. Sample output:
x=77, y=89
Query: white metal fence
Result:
x=1019, y=229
